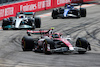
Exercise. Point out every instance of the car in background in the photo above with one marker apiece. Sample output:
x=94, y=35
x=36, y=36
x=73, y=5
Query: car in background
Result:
x=69, y=10
x=22, y=21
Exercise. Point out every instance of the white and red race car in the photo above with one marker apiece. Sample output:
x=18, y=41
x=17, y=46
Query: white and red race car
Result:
x=49, y=43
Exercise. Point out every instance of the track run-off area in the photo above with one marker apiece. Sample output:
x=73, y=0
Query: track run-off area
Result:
x=11, y=54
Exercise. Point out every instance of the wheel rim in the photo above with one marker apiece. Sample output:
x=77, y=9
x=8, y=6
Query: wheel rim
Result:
x=44, y=47
x=23, y=44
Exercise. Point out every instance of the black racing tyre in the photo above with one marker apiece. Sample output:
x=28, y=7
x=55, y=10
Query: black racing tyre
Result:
x=54, y=13
x=83, y=43
x=31, y=23
x=37, y=22
x=83, y=12
x=5, y=23
x=48, y=43
x=27, y=43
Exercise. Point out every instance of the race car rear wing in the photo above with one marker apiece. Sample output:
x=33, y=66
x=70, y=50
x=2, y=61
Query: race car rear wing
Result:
x=41, y=31
x=29, y=32
x=27, y=13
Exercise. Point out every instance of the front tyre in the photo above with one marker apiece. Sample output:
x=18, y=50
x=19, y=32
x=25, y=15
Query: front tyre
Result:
x=83, y=43
x=5, y=23
x=37, y=22
x=48, y=45
x=83, y=12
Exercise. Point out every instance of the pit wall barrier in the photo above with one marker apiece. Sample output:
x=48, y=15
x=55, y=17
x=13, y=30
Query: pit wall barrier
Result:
x=32, y=6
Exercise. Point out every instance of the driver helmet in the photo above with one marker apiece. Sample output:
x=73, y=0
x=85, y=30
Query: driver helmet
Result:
x=69, y=5
x=21, y=12
x=52, y=28
x=55, y=36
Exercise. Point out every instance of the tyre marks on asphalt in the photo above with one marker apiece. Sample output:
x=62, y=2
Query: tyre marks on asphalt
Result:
x=9, y=63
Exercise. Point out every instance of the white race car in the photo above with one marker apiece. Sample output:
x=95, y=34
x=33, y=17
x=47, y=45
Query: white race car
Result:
x=21, y=21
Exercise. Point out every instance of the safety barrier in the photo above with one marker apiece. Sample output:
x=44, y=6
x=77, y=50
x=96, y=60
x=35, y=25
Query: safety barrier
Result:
x=32, y=6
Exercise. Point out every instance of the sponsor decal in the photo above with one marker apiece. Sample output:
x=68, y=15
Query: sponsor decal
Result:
x=1, y=12
x=41, y=4
x=28, y=7
x=6, y=11
x=48, y=3
x=62, y=1
x=9, y=11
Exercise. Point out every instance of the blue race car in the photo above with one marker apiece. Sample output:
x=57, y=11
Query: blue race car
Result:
x=69, y=11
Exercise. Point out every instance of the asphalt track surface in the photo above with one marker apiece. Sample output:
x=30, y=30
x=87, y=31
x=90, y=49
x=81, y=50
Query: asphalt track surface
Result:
x=11, y=54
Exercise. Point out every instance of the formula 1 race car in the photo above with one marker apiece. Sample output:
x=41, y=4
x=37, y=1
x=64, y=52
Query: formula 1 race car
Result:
x=51, y=43
x=21, y=21
x=69, y=11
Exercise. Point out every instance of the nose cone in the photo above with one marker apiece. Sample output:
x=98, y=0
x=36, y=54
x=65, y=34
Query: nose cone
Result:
x=17, y=23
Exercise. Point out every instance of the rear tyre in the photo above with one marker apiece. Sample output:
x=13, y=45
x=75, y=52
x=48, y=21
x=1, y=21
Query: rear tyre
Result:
x=37, y=22
x=27, y=43
x=31, y=23
x=83, y=43
x=48, y=44
x=5, y=23
x=83, y=12
x=54, y=13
